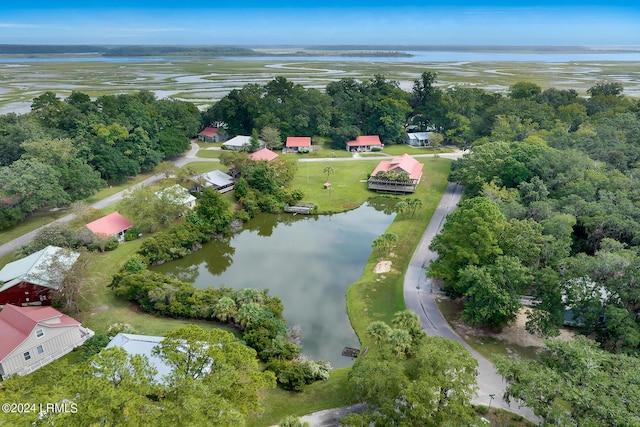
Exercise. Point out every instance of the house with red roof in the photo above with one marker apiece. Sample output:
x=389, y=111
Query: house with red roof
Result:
x=365, y=143
x=31, y=280
x=399, y=175
x=297, y=144
x=35, y=336
x=263, y=154
x=210, y=134
x=113, y=224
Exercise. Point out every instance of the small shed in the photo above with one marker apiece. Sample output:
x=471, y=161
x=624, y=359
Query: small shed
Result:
x=210, y=134
x=264, y=154
x=113, y=224
x=326, y=185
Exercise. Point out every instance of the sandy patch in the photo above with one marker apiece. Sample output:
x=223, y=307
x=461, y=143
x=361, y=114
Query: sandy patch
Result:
x=516, y=333
x=382, y=267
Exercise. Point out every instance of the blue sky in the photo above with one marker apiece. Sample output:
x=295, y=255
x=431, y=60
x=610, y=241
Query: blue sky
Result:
x=420, y=22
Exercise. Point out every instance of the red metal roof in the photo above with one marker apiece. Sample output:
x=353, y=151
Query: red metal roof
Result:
x=298, y=141
x=365, y=140
x=402, y=163
x=263, y=154
x=16, y=323
x=110, y=224
x=208, y=131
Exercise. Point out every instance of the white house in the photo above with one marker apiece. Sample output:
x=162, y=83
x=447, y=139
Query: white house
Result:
x=177, y=194
x=35, y=336
x=241, y=143
x=419, y=139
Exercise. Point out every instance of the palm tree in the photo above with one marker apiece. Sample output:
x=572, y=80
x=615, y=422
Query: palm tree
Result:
x=389, y=240
x=414, y=204
x=378, y=331
x=249, y=313
x=400, y=340
x=248, y=295
x=406, y=319
x=401, y=206
x=225, y=309
x=328, y=170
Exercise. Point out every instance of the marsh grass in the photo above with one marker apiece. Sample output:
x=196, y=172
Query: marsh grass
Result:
x=204, y=81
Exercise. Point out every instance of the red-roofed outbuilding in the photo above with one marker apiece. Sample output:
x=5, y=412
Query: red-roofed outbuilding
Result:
x=297, y=144
x=263, y=154
x=113, y=224
x=210, y=134
x=364, y=143
x=35, y=336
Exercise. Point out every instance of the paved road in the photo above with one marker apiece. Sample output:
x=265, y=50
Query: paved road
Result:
x=419, y=296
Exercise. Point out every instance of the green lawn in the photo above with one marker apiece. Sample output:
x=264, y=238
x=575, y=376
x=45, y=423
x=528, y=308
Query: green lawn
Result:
x=398, y=149
x=347, y=191
x=209, y=154
x=378, y=297
x=318, y=396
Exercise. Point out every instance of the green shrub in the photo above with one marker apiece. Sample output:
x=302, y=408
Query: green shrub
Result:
x=111, y=244
x=291, y=375
x=93, y=346
x=131, y=234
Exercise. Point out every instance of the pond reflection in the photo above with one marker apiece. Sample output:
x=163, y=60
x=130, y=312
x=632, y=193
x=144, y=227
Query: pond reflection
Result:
x=308, y=261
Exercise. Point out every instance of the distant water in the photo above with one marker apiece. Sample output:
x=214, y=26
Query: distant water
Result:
x=84, y=59
x=424, y=56
x=418, y=56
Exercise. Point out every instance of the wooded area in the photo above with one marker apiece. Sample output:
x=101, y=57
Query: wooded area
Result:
x=551, y=182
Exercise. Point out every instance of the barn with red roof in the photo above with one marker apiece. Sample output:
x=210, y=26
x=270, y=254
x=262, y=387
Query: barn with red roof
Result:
x=35, y=336
x=30, y=280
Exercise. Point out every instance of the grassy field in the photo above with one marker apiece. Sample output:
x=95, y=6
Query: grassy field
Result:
x=316, y=397
x=379, y=296
x=348, y=191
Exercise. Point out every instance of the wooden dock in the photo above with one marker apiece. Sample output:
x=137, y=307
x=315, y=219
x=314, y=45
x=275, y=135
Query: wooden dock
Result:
x=350, y=352
x=300, y=208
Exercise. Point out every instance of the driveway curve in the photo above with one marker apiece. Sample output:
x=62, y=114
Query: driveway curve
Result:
x=419, y=297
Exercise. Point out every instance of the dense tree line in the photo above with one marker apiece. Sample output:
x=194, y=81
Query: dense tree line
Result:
x=214, y=380
x=66, y=149
x=552, y=212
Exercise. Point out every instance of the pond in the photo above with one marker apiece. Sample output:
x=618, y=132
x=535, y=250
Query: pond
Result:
x=307, y=261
